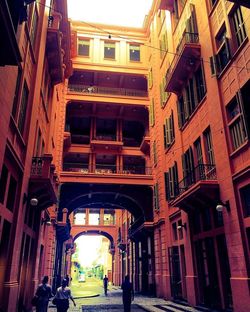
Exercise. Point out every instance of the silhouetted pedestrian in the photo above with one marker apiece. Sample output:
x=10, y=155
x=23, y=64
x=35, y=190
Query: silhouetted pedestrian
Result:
x=105, y=284
x=127, y=294
x=63, y=294
x=43, y=292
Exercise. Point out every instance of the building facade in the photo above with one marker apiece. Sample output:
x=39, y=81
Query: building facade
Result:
x=149, y=124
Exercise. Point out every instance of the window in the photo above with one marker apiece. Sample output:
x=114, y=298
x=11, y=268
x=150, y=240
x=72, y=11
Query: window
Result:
x=23, y=108
x=191, y=96
x=171, y=182
x=134, y=52
x=34, y=25
x=3, y=183
x=209, y=147
x=11, y=193
x=238, y=117
x=152, y=113
x=109, y=217
x=168, y=129
x=83, y=47
x=238, y=27
x=94, y=217
x=198, y=152
x=188, y=167
x=16, y=97
x=109, y=50
x=80, y=218
x=156, y=197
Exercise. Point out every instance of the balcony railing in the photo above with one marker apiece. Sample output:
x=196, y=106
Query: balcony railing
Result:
x=107, y=169
x=203, y=172
x=185, y=57
x=105, y=137
x=107, y=91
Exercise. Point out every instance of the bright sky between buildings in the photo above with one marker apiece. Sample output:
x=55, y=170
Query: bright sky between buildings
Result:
x=129, y=13
x=89, y=247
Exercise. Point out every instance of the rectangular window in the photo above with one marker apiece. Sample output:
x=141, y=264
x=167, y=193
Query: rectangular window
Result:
x=238, y=118
x=23, y=108
x=188, y=167
x=109, y=50
x=209, y=147
x=94, y=217
x=239, y=31
x=134, y=53
x=38, y=143
x=245, y=199
x=171, y=182
x=3, y=183
x=16, y=97
x=33, y=31
x=164, y=95
x=11, y=194
x=191, y=96
x=198, y=152
x=83, y=47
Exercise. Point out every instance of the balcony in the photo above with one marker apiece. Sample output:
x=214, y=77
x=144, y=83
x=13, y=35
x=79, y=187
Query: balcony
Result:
x=199, y=188
x=10, y=54
x=139, y=228
x=244, y=3
x=166, y=5
x=185, y=61
x=107, y=169
x=145, y=145
x=85, y=89
x=43, y=181
x=106, y=141
x=54, y=50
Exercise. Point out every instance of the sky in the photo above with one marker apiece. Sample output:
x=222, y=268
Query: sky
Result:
x=88, y=248
x=112, y=12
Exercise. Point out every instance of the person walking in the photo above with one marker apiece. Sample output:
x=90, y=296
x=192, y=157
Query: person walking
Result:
x=127, y=294
x=63, y=294
x=43, y=293
x=105, y=284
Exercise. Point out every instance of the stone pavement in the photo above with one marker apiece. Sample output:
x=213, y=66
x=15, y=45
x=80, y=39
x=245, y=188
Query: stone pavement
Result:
x=94, y=302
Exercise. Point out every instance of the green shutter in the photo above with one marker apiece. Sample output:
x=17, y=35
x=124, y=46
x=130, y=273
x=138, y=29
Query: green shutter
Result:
x=166, y=176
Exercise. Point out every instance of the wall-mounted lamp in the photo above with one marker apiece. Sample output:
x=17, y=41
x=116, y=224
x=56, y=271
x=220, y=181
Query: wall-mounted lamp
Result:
x=220, y=206
x=33, y=200
x=180, y=226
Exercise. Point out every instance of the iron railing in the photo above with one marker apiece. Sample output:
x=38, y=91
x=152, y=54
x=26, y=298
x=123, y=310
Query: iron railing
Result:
x=107, y=169
x=105, y=90
x=203, y=172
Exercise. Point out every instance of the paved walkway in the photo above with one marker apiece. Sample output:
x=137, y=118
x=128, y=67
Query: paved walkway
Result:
x=90, y=301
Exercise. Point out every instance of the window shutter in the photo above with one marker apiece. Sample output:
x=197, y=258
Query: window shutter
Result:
x=171, y=126
x=186, y=106
x=152, y=113
x=214, y=65
x=165, y=136
x=168, y=141
x=166, y=176
x=180, y=114
x=176, y=181
x=203, y=77
x=246, y=129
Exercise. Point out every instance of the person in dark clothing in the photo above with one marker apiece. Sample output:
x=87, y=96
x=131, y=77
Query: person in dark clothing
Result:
x=43, y=292
x=127, y=294
x=105, y=284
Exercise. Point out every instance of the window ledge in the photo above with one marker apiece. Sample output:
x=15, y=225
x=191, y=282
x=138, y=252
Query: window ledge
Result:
x=235, y=153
